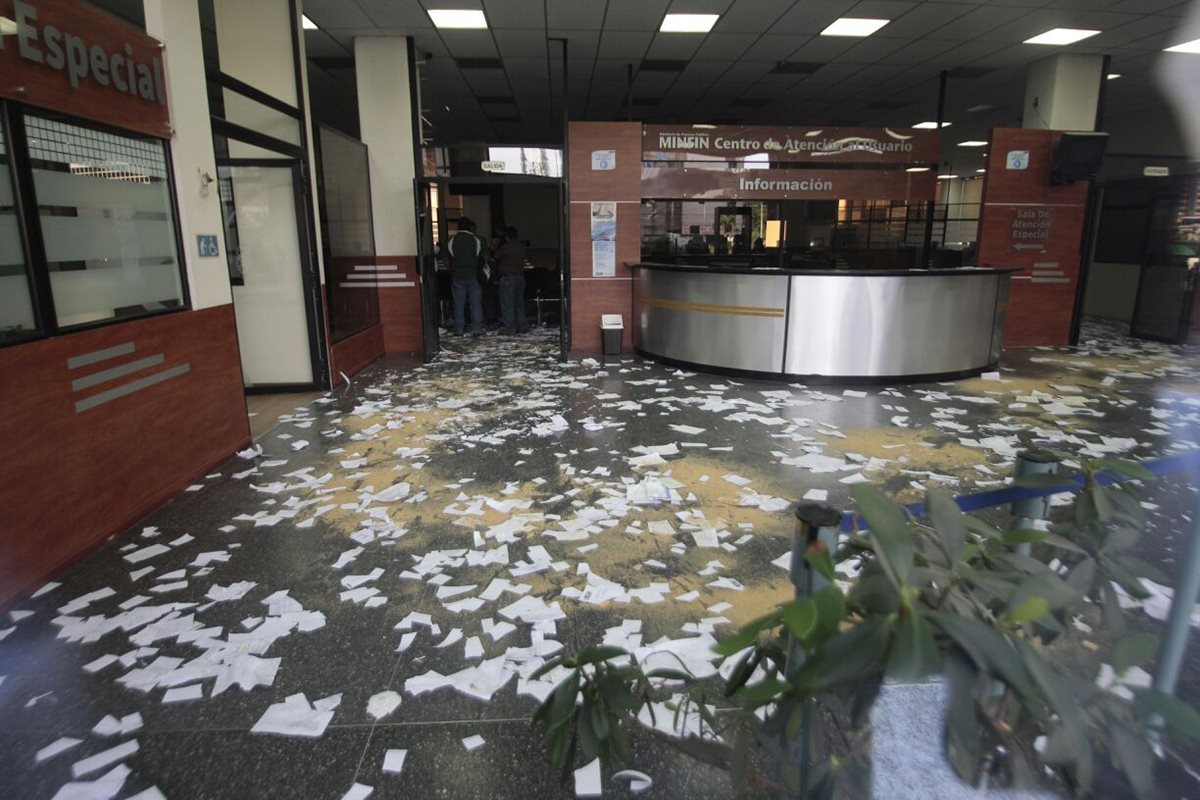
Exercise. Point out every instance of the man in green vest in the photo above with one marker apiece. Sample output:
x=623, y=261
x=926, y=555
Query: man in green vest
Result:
x=463, y=254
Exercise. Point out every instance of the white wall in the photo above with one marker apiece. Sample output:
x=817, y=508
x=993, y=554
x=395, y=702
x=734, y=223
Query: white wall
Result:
x=1066, y=89
x=177, y=25
x=385, y=122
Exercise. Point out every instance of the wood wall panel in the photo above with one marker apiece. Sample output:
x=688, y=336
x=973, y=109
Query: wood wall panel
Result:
x=591, y=297
x=1041, y=303
x=355, y=352
x=69, y=480
x=400, y=310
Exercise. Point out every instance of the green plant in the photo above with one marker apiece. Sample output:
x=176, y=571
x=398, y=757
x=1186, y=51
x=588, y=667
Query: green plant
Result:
x=948, y=594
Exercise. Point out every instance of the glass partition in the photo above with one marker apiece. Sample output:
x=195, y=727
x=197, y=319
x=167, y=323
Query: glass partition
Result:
x=107, y=221
x=16, y=306
x=351, y=278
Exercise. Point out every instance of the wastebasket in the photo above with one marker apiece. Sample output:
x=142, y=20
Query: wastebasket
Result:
x=611, y=329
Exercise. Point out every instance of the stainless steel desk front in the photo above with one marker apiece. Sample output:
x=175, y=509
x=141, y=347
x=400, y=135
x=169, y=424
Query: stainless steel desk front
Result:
x=842, y=325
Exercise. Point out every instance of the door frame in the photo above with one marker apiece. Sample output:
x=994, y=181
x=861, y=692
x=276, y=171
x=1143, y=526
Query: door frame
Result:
x=314, y=312
x=425, y=184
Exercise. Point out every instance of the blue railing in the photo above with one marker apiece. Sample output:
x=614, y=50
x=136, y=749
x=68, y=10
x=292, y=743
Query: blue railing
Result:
x=1178, y=462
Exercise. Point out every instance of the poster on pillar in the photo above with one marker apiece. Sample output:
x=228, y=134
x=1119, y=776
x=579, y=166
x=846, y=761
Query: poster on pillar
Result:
x=604, y=259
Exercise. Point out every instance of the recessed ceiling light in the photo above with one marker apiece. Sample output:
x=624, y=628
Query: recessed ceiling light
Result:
x=1061, y=36
x=688, y=23
x=931, y=125
x=1187, y=47
x=946, y=177
x=1112, y=76
x=972, y=143
x=981, y=170
x=307, y=23
x=854, y=26
x=469, y=18
x=917, y=169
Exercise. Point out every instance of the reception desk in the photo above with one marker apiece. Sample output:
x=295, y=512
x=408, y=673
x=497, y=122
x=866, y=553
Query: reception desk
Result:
x=821, y=325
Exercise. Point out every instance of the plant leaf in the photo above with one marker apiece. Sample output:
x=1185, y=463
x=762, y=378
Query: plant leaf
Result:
x=822, y=562
x=800, y=617
x=1081, y=576
x=914, y=652
x=762, y=692
x=1134, y=650
x=746, y=636
x=963, y=730
x=544, y=668
x=670, y=674
x=1023, y=536
x=948, y=521
x=846, y=657
x=831, y=608
x=1179, y=715
x=1060, y=695
x=742, y=671
x=1030, y=608
x=1113, y=616
x=891, y=539
x=1127, y=469
x=988, y=648
x=1143, y=570
x=1054, y=590
x=594, y=655
x=1134, y=757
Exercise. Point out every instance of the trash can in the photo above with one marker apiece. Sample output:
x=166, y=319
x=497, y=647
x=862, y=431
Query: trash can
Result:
x=611, y=329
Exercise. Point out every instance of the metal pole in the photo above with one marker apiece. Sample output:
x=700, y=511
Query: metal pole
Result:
x=1187, y=592
x=816, y=524
x=927, y=242
x=1027, y=513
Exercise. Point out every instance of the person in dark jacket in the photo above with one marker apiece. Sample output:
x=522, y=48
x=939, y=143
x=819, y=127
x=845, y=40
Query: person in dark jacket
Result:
x=463, y=252
x=510, y=264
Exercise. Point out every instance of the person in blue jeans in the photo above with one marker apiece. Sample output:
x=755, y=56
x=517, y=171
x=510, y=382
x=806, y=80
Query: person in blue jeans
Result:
x=463, y=252
x=510, y=264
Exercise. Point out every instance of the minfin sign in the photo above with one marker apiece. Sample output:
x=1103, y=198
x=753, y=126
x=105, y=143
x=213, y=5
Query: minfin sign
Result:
x=72, y=57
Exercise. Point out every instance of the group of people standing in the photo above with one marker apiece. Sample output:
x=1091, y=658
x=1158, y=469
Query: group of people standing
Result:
x=472, y=262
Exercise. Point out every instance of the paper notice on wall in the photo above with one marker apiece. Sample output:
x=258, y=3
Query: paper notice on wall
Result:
x=604, y=259
x=604, y=159
x=604, y=222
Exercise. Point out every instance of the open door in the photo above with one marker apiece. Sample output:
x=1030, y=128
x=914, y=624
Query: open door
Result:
x=1166, y=292
x=275, y=285
x=427, y=272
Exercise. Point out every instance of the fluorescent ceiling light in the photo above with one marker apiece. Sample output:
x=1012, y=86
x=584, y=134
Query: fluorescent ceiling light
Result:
x=688, y=23
x=972, y=143
x=854, y=26
x=981, y=170
x=307, y=23
x=1112, y=76
x=7, y=26
x=946, y=177
x=470, y=18
x=931, y=125
x=917, y=169
x=1061, y=36
x=1187, y=47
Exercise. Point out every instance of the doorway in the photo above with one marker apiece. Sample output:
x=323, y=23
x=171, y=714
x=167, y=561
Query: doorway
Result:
x=274, y=281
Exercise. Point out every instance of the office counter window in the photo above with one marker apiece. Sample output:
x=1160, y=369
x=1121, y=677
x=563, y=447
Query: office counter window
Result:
x=106, y=219
x=16, y=306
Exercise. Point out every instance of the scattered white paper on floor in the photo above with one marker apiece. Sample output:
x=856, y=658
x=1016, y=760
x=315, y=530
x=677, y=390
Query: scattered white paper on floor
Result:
x=638, y=781
x=359, y=791
x=473, y=742
x=587, y=780
x=295, y=716
x=393, y=761
x=102, y=759
x=54, y=748
x=105, y=787
x=382, y=704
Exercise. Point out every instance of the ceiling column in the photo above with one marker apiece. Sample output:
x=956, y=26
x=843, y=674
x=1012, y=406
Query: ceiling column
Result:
x=1063, y=91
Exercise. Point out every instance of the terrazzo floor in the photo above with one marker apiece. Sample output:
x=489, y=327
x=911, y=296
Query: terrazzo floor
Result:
x=524, y=506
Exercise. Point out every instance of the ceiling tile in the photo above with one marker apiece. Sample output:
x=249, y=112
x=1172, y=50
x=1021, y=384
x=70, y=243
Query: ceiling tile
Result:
x=525, y=68
x=521, y=43
x=924, y=19
x=336, y=14
x=752, y=16
x=918, y=52
x=774, y=47
x=876, y=48
x=625, y=45
x=812, y=18
x=399, y=13
x=586, y=15
x=674, y=46
x=634, y=15
x=725, y=45
x=470, y=44
x=506, y=14
x=580, y=44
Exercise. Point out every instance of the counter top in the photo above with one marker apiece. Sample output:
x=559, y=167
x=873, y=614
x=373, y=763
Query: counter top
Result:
x=858, y=273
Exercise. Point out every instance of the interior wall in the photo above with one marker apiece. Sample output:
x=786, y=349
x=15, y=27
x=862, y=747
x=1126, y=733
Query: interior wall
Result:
x=177, y=25
x=534, y=211
x=1111, y=291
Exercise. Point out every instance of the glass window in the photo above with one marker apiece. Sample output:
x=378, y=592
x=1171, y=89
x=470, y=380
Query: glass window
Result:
x=104, y=205
x=16, y=308
x=350, y=276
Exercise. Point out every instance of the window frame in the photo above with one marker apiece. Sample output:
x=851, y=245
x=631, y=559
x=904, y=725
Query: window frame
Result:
x=12, y=117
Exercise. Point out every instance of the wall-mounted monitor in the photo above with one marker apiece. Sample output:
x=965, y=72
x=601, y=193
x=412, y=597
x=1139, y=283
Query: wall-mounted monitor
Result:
x=1077, y=156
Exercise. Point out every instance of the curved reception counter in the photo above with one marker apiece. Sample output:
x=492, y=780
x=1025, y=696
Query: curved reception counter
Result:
x=821, y=326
